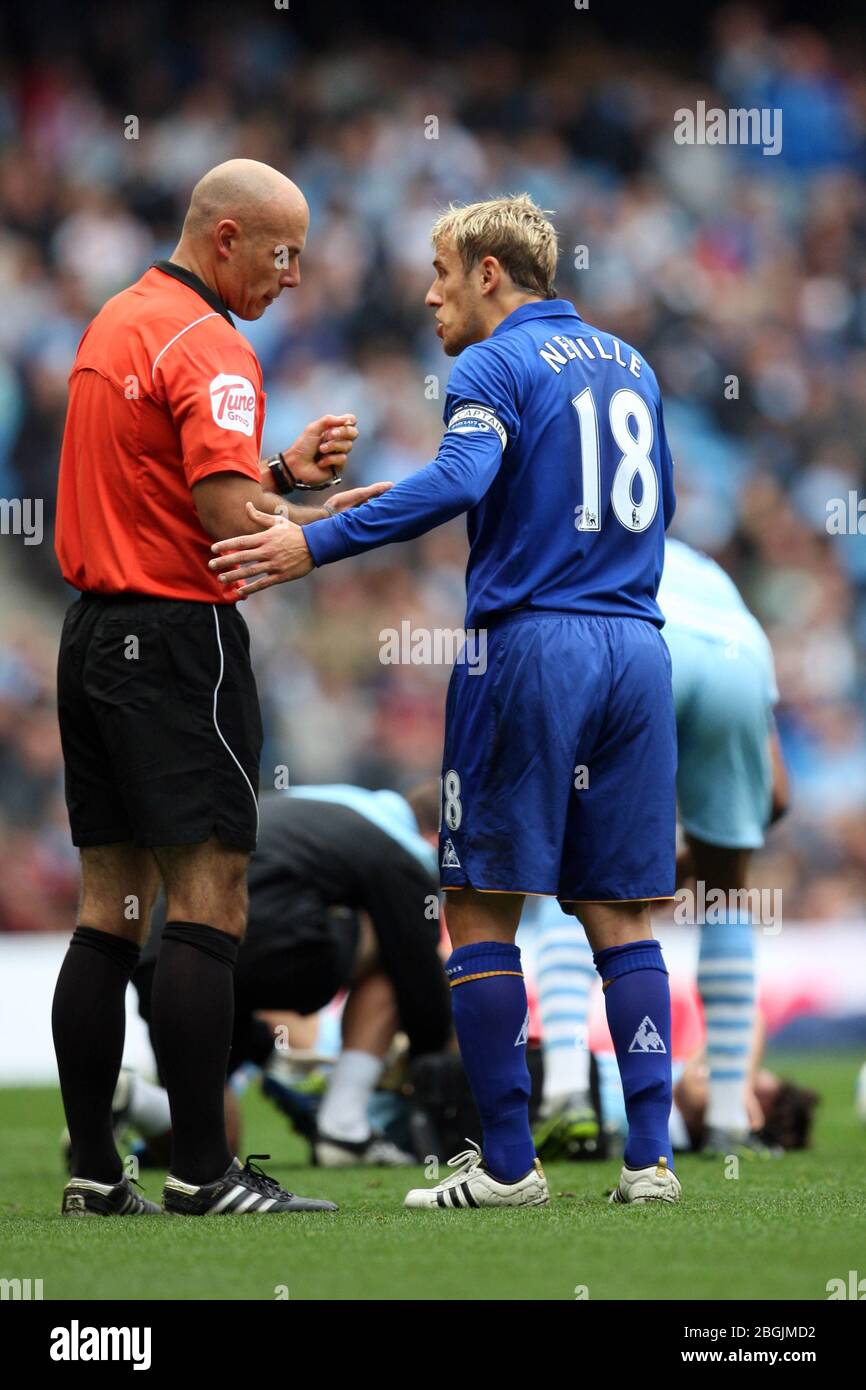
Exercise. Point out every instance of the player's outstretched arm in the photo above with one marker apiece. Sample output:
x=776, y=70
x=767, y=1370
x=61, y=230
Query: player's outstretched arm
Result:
x=456, y=480
x=277, y=552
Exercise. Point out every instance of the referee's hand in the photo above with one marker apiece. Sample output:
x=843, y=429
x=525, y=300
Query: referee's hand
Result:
x=324, y=445
x=271, y=556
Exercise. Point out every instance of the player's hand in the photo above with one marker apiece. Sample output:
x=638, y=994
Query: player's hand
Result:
x=325, y=444
x=342, y=501
x=274, y=555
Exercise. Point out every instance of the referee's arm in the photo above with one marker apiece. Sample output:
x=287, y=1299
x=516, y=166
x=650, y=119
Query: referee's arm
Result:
x=455, y=481
x=221, y=499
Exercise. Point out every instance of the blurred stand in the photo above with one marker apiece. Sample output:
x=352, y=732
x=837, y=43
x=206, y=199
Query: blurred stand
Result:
x=739, y=275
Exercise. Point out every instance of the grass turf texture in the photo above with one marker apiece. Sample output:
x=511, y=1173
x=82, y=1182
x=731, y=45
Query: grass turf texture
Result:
x=780, y=1231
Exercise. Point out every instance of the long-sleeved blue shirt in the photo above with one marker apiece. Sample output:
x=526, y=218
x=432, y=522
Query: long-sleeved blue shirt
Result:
x=555, y=447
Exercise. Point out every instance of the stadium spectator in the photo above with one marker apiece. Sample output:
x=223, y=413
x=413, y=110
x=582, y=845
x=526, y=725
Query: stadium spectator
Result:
x=739, y=275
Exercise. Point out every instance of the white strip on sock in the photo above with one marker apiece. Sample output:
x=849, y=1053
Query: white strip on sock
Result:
x=343, y=1112
x=566, y=1071
x=565, y=976
x=149, y=1111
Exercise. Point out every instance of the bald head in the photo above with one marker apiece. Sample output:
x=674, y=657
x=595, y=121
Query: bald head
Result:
x=244, y=190
x=243, y=234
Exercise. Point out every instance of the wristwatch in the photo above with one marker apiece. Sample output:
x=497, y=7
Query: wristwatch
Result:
x=285, y=481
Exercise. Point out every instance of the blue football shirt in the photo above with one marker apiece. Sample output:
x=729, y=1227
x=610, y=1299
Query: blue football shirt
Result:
x=555, y=446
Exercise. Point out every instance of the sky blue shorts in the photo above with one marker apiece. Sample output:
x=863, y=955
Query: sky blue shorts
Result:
x=724, y=701
x=559, y=769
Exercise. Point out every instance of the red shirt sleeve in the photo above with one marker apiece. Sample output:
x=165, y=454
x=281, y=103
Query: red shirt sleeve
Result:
x=211, y=383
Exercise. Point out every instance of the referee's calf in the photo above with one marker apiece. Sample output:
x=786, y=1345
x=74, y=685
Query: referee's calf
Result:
x=158, y=708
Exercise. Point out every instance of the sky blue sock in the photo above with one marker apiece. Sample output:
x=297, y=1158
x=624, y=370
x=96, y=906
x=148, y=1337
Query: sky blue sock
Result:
x=638, y=1001
x=491, y=1016
x=726, y=982
x=565, y=977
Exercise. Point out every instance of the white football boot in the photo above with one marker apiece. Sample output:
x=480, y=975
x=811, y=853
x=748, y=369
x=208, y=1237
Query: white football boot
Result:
x=658, y=1183
x=470, y=1185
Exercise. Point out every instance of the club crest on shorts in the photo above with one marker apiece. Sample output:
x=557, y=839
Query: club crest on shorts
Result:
x=647, y=1038
x=449, y=856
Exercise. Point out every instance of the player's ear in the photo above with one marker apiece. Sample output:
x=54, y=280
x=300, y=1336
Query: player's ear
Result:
x=226, y=233
x=491, y=274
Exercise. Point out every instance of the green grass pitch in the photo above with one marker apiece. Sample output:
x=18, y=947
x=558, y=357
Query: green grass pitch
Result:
x=780, y=1230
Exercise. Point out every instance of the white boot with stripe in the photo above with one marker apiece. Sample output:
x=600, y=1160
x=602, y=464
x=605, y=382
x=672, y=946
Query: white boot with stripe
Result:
x=657, y=1183
x=470, y=1185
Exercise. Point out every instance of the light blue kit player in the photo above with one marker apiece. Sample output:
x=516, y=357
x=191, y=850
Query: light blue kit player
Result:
x=731, y=785
x=560, y=759
x=724, y=693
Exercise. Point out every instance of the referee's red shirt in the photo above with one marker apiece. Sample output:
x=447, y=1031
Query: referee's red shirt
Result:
x=164, y=392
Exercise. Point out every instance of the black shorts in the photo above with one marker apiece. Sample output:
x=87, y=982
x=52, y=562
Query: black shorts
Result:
x=298, y=959
x=159, y=721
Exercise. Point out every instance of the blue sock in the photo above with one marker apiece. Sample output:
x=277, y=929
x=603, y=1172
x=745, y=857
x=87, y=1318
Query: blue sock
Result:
x=638, y=1001
x=488, y=999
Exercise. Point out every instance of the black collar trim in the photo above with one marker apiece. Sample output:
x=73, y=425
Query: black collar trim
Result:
x=189, y=278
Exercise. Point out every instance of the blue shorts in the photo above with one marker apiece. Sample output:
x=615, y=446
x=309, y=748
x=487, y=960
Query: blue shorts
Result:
x=559, y=770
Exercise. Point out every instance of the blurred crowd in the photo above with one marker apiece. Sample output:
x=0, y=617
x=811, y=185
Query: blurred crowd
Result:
x=741, y=276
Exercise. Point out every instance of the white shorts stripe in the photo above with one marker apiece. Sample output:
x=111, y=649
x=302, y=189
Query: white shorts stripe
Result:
x=216, y=722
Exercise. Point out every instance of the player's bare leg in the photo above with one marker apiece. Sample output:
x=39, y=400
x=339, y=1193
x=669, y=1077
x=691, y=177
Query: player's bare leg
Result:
x=637, y=998
x=474, y=916
x=206, y=882
x=119, y=883
x=491, y=1019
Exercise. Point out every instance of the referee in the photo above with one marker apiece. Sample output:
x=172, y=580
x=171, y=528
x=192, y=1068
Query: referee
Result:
x=158, y=709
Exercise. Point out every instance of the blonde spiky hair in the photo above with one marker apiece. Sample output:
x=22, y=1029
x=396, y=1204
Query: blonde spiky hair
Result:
x=515, y=230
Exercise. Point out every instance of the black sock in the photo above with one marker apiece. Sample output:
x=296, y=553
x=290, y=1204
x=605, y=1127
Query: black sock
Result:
x=192, y=1009
x=88, y=1020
